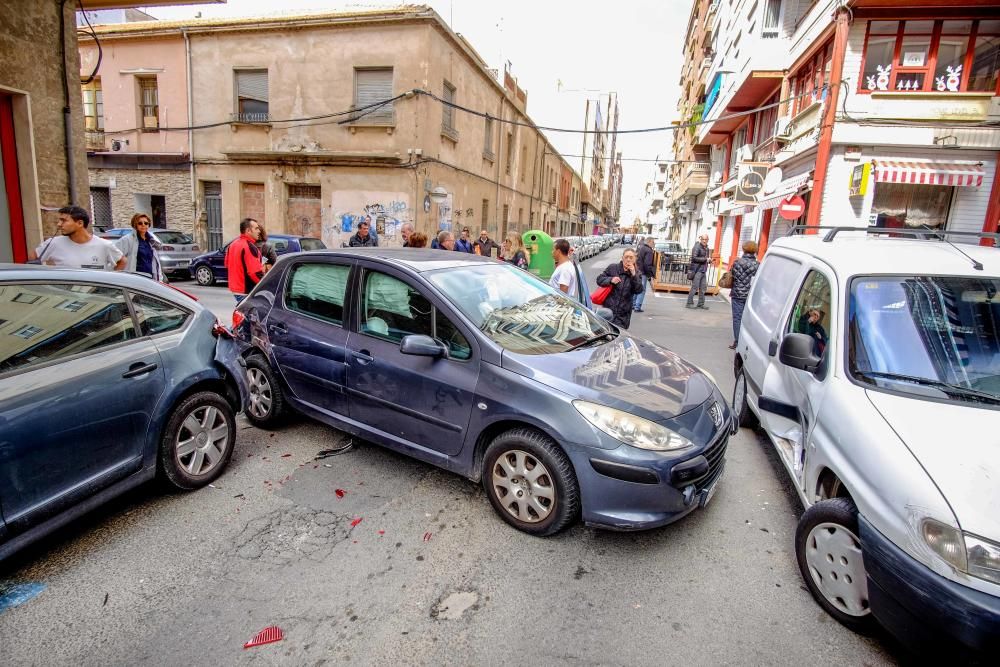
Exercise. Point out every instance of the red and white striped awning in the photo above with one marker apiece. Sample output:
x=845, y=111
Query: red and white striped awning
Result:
x=929, y=173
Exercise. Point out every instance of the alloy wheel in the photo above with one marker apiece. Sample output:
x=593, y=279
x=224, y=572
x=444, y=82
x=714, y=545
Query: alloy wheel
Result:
x=204, y=275
x=833, y=554
x=202, y=440
x=739, y=392
x=260, y=393
x=523, y=486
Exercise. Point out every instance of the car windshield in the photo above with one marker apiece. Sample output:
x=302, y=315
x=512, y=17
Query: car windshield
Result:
x=519, y=311
x=180, y=238
x=927, y=335
x=312, y=244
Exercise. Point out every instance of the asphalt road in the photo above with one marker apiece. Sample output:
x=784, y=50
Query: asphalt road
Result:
x=430, y=575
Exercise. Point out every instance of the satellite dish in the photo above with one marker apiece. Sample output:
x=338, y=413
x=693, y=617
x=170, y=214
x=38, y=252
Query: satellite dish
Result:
x=772, y=180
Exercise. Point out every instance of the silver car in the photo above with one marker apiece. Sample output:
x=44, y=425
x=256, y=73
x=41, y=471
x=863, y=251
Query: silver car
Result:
x=177, y=251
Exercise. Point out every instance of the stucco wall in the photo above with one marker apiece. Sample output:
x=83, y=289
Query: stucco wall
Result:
x=31, y=69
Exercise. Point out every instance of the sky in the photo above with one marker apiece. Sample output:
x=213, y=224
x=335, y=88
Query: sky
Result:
x=562, y=52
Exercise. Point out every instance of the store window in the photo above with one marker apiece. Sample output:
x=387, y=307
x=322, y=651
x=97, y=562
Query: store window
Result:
x=932, y=56
x=898, y=205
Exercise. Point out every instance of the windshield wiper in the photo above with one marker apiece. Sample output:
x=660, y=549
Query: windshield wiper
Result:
x=946, y=387
x=593, y=339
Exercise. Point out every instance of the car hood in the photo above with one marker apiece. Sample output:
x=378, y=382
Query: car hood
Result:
x=959, y=447
x=628, y=373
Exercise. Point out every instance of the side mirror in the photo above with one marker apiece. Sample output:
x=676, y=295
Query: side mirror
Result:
x=422, y=346
x=796, y=351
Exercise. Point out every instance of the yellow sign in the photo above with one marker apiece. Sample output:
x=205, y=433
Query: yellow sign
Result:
x=860, y=178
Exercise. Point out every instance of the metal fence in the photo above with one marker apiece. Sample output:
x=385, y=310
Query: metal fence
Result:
x=672, y=270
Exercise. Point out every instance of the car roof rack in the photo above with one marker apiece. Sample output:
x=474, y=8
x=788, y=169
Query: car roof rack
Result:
x=923, y=233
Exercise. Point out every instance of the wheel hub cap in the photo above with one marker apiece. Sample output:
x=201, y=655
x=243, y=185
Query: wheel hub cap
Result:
x=833, y=554
x=202, y=440
x=523, y=486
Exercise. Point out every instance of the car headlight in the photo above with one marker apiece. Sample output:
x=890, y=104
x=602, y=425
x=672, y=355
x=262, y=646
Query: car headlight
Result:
x=984, y=558
x=630, y=429
x=946, y=542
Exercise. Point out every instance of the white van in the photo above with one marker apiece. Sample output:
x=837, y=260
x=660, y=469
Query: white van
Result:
x=873, y=365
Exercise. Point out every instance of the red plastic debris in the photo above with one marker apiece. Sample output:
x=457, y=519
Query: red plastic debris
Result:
x=268, y=635
x=427, y=537
x=340, y=493
x=381, y=532
x=356, y=522
x=285, y=456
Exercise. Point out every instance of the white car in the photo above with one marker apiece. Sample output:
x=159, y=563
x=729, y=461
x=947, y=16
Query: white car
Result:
x=873, y=365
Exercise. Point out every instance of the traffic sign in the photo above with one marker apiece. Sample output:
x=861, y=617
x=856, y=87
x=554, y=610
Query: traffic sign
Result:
x=792, y=208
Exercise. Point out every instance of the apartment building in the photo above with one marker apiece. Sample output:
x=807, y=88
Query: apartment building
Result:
x=314, y=123
x=873, y=112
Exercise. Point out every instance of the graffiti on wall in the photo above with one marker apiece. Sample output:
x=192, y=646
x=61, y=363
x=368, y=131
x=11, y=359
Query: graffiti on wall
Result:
x=445, y=213
x=385, y=213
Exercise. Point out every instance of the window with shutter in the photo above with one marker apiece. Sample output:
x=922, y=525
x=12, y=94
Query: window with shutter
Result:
x=448, y=113
x=251, y=96
x=149, y=105
x=488, y=139
x=372, y=87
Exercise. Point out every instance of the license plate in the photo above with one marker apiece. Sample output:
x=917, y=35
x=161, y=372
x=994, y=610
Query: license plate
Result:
x=707, y=494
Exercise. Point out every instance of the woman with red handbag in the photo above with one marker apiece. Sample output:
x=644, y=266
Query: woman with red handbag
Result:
x=624, y=281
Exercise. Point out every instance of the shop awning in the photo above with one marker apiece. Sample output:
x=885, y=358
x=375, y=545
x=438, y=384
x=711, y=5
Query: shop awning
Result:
x=929, y=173
x=785, y=189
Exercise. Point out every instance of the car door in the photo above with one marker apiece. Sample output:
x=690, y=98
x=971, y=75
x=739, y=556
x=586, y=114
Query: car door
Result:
x=410, y=400
x=765, y=314
x=77, y=384
x=791, y=398
x=308, y=336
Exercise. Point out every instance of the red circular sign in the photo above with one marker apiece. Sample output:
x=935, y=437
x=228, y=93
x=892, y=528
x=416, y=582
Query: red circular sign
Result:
x=792, y=208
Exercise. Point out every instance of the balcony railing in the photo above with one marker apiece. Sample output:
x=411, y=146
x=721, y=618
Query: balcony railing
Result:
x=250, y=117
x=95, y=140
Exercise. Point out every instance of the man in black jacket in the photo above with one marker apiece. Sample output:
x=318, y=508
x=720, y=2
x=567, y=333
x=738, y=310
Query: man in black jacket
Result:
x=625, y=283
x=647, y=270
x=701, y=256
x=363, y=239
x=485, y=245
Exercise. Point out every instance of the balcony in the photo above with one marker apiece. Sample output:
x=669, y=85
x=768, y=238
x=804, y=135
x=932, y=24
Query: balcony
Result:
x=95, y=140
x=250, y=117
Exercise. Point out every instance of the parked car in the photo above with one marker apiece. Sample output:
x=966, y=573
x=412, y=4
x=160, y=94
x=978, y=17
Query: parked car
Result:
x=873, y=365
x=107, y=380
x=483, y=369
x=210, y=267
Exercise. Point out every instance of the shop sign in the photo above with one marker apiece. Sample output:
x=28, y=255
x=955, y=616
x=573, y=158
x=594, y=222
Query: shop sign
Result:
x=792, y=208
x=861, y=176
x=751, y=182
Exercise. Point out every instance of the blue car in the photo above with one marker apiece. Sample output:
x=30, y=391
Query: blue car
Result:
x=210, y=268
x=481, y=368
x=107, y=380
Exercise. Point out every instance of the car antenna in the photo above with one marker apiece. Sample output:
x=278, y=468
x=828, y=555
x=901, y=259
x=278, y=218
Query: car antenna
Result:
x=975, y=264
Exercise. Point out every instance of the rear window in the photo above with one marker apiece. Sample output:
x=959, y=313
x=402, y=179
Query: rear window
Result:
x=771, y=287
x=178, y=238
x=312, y=244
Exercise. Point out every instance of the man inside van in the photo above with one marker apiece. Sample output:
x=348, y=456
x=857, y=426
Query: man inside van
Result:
x=700, y=257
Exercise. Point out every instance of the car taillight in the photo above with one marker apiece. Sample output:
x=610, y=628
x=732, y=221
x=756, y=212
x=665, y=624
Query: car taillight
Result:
x=178, y=289
x=238, y=318
x=167, y=247
x=195, y=248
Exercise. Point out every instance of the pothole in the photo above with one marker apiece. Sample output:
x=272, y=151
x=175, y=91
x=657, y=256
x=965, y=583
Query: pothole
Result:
x=454, y=605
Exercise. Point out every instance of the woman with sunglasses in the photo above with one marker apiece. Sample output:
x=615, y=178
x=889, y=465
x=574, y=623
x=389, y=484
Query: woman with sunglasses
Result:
x=141, y=249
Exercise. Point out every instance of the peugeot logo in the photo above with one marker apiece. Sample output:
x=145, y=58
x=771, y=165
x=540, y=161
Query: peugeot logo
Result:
x=715, y=412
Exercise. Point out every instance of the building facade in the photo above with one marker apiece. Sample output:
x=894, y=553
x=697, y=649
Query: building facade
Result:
x=878, y=113
x=311, y=124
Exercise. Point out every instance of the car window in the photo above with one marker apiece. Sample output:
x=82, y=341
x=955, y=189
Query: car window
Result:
x=811, y=312
x=279, y=245
x=156, y=316
x=771, y=288
x=164, y=236
x=319, y=290
x=391, y=309
x=312, y=244
x=43, y=322
x=449, y=334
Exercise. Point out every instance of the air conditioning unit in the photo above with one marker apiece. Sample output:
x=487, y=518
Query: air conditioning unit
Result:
x=117, y=145
x=745, y=153
x=781, y=127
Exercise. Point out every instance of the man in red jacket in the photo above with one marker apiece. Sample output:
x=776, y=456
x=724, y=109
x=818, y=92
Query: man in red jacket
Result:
x=243, y=260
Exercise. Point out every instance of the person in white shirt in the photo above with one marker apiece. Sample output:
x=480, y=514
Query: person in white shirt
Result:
x=75, y=247
x=564, y=277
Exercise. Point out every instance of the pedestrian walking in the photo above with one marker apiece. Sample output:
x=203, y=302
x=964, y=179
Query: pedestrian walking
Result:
x=698, y=273
x=625, y=283
x=417, y=240
x=485, y=245
x=647, y=270
x=514, y=251
x=243, y=260
x=141, y=249
x=75, y=247
x=743, y=272
x=406, y=231
x=362, y=238
x=268, y=255
x=564, y=277
x=445, y=240
x=464, y=243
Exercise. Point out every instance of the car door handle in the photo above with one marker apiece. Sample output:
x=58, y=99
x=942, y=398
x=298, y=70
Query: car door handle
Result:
x=772, y=348
x=363, y=357
x=135, y=370
x=278, y=328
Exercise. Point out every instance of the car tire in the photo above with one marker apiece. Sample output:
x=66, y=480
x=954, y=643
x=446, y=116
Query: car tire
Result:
x=745, y=418
x=828, y=551
x=205, y=276
x=198, y=441
x=552, y=497
x=266, y=407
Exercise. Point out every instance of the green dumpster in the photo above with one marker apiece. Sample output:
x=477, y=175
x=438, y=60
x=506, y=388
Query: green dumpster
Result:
x=539, y=247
